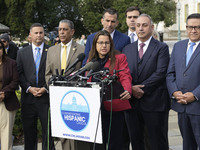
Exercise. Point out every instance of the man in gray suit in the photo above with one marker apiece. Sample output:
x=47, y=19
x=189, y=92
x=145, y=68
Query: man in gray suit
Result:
x=60, y=57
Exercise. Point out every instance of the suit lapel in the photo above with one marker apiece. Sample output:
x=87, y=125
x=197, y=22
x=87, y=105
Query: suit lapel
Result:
x=43, y=57
x=116, y=37
x=184, y=49
x=147, y=55
x=30, y=53
x=72, y=51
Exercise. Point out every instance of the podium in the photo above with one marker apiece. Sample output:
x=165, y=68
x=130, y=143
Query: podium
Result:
x=74, y=112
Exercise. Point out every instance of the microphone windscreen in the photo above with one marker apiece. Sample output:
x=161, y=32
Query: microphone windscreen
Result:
x=88, y=65
x=81, y=56
x=95, y=66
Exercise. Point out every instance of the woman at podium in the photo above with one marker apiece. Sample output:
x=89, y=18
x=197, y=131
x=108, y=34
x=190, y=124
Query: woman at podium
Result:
x=113, y=105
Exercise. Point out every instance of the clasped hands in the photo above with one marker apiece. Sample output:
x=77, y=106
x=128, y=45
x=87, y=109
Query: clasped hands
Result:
x=185, y=98
x=37, y=92
x=2, y=96
x=137, y=91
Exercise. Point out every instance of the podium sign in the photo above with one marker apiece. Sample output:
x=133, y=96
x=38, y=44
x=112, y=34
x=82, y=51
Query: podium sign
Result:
x=74, y=113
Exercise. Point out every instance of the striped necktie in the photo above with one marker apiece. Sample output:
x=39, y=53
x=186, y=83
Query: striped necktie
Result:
x=141, y=50
x=37, y=62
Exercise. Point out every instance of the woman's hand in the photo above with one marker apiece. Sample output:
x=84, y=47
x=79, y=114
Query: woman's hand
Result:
x=2, y=96
x=125, y=95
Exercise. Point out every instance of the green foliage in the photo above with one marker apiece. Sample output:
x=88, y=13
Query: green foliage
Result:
x=18, y=128
x=86, y=14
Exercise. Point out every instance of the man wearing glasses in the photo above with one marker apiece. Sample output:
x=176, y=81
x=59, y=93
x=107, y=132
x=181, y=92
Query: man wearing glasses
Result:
x=132, y=14
x=183, y=83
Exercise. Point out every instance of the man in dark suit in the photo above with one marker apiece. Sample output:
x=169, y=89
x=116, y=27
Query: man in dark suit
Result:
x=148, y=61
x=183, y=83
x=10, y=46
x=55, y=57
x=31, y=62
x=132, y=14
x=109, y=22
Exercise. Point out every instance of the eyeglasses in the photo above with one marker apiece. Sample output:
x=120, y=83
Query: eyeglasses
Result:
x=129, y=17
x=101, y=43
x=190, y=28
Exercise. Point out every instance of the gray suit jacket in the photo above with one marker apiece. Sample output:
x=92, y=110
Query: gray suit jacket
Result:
x=54, y=61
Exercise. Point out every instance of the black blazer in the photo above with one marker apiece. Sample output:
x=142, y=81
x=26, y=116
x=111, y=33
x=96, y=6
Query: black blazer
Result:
x=27, y=74
x=12, y=50
x=150, y=71
x=10, y=84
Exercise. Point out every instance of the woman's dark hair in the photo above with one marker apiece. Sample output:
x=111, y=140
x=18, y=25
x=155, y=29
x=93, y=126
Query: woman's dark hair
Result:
x=111, y=54
x=4, y=51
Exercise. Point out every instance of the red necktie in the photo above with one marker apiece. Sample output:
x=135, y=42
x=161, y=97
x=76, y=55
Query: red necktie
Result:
x=141, y=50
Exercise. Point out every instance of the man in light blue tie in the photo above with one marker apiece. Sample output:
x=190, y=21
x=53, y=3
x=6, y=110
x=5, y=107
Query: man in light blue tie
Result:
x=183, y=81
x=31, y=64
x=132, y=14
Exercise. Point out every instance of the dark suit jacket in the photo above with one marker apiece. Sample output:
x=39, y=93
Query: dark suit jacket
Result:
x=12, y=50
x=120, y=41
x=151, y=72
x=27, y=73
x=185, y=79
x=10, y=84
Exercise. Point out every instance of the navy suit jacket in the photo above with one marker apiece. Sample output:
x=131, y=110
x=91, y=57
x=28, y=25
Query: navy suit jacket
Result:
x=27, y=74
x=120, y=41
x=185, y=79
x=150, y=71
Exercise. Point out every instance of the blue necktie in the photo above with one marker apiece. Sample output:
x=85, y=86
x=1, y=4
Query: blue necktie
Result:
x=37, y=62
x=132, y=37
x=189, y=52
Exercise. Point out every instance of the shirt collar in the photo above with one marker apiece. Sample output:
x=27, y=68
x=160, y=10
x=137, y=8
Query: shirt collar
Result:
x=41, y=46
x=146, y=42
x=68, y=44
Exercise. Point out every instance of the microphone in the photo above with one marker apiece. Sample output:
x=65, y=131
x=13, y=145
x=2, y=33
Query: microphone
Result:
x=94, y=68
x=79, y=58
x=80, y=71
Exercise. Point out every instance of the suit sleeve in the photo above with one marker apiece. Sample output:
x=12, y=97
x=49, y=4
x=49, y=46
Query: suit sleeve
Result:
x=23, y=82
x=171, y=75
x=13, y=84
x=125, y=76
x=87, y=49
x=48, y=72
x=158, y=76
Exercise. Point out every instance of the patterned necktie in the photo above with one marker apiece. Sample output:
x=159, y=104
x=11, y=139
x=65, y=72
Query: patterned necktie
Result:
x=141, y=50
x=64, y=58
x=132, y=37
x=189, y=52
x=37, y=62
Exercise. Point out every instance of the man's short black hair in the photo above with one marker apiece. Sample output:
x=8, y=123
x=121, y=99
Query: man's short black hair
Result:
x=111, y=11
x=193, y=16
x=132, y=8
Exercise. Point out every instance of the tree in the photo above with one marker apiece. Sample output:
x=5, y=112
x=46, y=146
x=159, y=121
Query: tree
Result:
x=159, y=10
x=20, y=14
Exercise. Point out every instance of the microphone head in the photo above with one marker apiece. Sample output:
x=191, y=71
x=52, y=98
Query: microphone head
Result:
x=88, y=66
x=81, y=56
x=95, y=66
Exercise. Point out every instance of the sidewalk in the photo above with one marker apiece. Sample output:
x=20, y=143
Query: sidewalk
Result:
x=175, y=139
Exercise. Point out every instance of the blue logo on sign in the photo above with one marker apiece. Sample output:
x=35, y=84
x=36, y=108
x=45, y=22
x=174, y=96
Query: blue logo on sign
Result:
x=75, y=110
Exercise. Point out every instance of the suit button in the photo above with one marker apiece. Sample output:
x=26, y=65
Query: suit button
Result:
x=184, y=75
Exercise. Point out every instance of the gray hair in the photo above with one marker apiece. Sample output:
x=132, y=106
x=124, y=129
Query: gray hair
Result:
x=145, y=15
x=69, y=22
